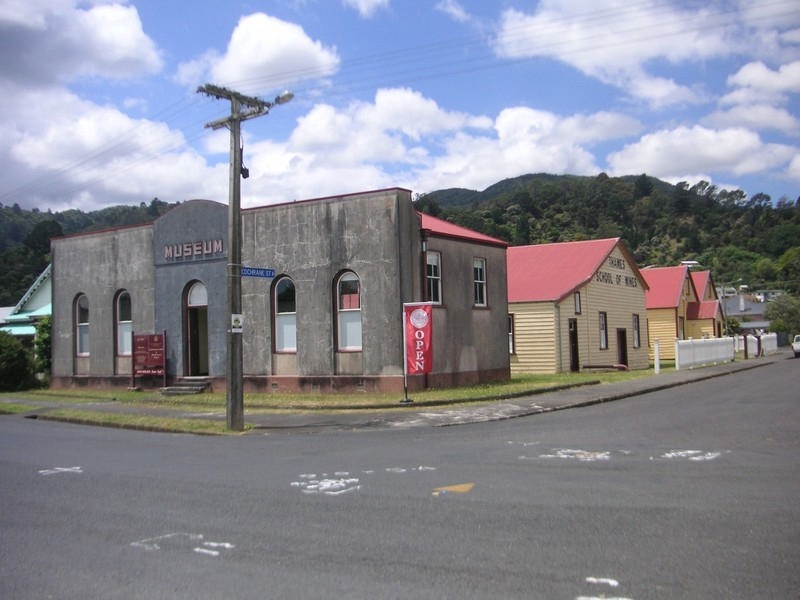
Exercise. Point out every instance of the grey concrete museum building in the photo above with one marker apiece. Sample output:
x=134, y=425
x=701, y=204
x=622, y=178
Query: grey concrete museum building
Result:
x=330, y=318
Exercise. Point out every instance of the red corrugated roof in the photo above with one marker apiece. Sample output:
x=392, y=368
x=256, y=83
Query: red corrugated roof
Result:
x=666, y=286
x=446, y=229
x=549, y=272
x=700, y=280
x=707, y=309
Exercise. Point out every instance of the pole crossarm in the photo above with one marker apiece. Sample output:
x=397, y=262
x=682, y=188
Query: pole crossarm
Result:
x=257, y=106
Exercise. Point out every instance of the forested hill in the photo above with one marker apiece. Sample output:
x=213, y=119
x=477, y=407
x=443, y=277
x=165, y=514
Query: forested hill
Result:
x=25, y=238
x=754, y=239
x=749, y=239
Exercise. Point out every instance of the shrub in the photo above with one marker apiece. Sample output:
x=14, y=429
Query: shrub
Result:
x=16, y=370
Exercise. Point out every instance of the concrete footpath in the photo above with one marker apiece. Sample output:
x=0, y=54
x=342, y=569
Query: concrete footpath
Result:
x=495, y=410
x=439, y=414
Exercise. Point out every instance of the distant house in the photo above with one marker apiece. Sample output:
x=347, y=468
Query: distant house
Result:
x=36, y=303
x=747, y=312
x=576, y=305
x=681, y=304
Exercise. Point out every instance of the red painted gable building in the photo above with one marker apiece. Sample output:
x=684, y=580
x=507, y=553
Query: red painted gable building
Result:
x=575, y=306
x=681, y=304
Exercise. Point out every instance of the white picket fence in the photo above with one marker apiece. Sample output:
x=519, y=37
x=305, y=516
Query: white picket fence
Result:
x=713, y=351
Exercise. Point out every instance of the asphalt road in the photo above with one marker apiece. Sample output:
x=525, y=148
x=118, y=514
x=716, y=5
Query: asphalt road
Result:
x=689, y=492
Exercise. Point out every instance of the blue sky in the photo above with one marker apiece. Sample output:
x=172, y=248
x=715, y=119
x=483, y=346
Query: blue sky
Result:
x=100, y=104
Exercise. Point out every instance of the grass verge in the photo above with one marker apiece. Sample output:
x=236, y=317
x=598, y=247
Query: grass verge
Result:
x=140, y=422
x=58, y=404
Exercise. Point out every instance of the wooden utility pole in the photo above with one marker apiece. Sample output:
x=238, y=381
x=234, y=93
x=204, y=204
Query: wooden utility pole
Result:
x=242, y=108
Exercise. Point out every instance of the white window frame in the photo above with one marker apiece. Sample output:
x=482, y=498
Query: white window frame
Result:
x=348, y=317
x=285, y=320
x=603, y=325
x=479, y=282
x=637, y=336
x=511, y=343
x=124, y=324
x=433, y=276
x=82, y=320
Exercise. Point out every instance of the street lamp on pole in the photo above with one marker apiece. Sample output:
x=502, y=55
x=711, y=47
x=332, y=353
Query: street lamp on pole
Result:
x=253, y=107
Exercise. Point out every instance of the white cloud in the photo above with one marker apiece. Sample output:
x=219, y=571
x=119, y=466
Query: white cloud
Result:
x=757, y=98
x=620, y=44
x=670, y=154
x=47, y=42
x=403, y=138
x=755, y=81
x=793, y=170
x=90, y=156
x=264, y=54
x=454, y=10
x=366, y=8
x=760, y=117
x=525, y=141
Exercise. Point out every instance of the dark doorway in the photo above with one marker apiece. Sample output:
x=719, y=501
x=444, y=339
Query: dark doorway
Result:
x=622, y=347
x=574, y=358
x=196, y=332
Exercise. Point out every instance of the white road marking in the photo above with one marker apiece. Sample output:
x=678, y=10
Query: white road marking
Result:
x=603, y=580
x=329, y=487
x=183, y=541
x=55, y=470
x=580, y=455
x=694, y=455
x=342, y=482
x=154, y=543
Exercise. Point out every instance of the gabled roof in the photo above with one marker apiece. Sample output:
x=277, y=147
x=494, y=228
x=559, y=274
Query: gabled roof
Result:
x=707, y=309
x=442, y=228
x=550, y=272
x=666, y=286
x=35, y=303
x=700, y=280
x=43, y=278
x=704, y=285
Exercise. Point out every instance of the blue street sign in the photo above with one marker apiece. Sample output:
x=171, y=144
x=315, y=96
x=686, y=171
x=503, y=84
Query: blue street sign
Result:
x=257, y=272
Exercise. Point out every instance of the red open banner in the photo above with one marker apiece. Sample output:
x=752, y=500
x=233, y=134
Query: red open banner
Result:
x=418, y=332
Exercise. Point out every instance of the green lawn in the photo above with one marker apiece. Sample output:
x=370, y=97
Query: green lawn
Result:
x=73, y=404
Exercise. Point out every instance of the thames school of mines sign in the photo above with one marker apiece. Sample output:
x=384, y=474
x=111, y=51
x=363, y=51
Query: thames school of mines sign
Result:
x=621, y=279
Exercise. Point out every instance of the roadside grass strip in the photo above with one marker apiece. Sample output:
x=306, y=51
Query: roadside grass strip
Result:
x=141, y=422
x=12, y=408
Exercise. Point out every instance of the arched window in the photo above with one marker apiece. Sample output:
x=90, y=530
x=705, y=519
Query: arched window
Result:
x=82, y=325
x=124, y=323
x=348, y=307
x=198, y=295
x=285, y=315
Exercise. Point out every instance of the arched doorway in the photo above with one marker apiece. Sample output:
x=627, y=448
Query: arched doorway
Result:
x=196, y=330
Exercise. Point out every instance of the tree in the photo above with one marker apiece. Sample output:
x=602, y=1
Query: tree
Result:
x=38, y=240
x=15, y=364
x=642, y=187
x=783, y=313
x=788, y=266
x=42, y=345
